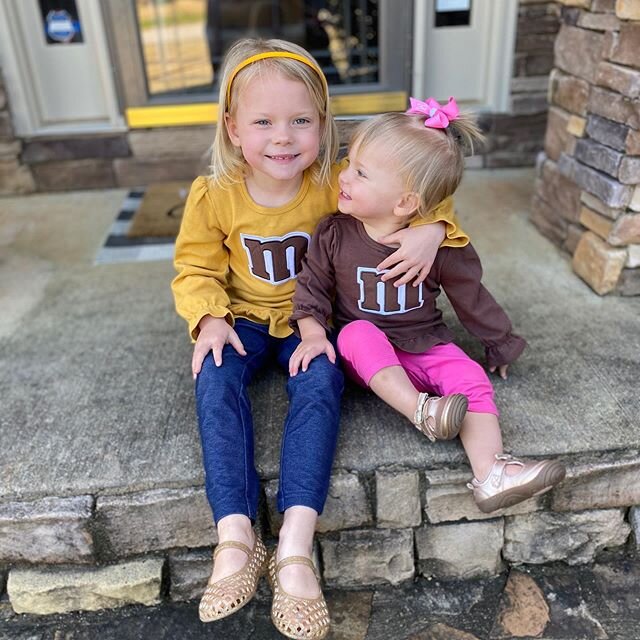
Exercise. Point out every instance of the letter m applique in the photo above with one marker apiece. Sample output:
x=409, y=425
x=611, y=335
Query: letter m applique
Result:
x=383, y=298
x=275, y=259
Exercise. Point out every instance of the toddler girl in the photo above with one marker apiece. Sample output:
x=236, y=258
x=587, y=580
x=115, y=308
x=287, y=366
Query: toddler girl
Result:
x=394, y=340
x=245, y=230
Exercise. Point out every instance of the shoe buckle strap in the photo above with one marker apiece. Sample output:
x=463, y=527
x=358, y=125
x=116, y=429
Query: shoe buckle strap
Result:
x=498, y=469
x=298, y=560
x=419, y=420
x=231, y=544
x=422, y=401
x=500, y=465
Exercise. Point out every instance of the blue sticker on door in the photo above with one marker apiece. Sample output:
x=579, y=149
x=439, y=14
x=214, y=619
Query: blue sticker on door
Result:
x=61, y=21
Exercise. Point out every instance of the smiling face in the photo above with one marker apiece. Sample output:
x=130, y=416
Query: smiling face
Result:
x=277, y=127
x=371, y=188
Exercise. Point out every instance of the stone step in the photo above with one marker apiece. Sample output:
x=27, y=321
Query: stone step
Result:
x=380, y=526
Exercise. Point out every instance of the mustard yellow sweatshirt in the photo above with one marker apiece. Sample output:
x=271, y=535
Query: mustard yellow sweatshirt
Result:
x=238, y=259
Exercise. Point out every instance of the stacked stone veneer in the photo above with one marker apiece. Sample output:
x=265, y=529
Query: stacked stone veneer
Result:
x=380, y=527
x=14, y=176
x=587, y=196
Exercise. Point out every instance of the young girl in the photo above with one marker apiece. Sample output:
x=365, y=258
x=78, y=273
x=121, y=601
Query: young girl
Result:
x=394, y=341
x=244, y=233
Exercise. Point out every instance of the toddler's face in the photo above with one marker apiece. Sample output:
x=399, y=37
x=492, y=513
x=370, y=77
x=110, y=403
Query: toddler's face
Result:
x=277, y=126
x=370, y=186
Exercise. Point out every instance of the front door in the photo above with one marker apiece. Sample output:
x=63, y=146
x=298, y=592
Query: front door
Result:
x=58, y=71
x=464, y=48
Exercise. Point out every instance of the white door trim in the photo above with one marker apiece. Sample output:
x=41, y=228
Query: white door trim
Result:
x=28, y=120
x=499, y=59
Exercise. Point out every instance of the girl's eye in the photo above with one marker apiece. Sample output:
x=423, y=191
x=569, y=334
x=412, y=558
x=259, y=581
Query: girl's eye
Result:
x=262, y=122
x=302, y=121
x=360, y=173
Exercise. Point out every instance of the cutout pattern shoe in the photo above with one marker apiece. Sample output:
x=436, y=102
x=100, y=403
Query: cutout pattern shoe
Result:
x=228, y=595
x=501, y=490
x=297, y=617
x=440, y=418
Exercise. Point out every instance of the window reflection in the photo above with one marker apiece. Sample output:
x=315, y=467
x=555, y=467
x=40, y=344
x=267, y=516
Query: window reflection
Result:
x=184, y=41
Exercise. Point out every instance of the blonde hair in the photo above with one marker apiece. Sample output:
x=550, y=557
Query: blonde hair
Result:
x=430, y=161
x=228, y=165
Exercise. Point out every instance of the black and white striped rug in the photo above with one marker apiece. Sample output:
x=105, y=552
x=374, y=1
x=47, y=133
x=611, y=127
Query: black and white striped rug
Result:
x=119, y=247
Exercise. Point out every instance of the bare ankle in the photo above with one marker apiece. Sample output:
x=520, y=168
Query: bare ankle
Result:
x=237, y=528
x=292, y=543
x=297, y=532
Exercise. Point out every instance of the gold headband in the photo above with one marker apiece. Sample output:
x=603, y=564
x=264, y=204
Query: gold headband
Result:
x=274, y=54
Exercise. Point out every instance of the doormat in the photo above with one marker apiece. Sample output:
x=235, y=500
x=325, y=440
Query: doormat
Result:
x=119, y=246
x=160, y=211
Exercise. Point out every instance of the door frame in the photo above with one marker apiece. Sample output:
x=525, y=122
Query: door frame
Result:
x=142, y=110
x=27, y=117
x=503, y=26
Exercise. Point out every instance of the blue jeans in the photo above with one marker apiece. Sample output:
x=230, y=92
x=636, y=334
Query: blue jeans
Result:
x=226, y=425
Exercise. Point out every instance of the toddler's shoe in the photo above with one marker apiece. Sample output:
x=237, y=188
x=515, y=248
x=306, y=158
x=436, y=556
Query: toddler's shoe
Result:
x=501, y=490
x=440, y=418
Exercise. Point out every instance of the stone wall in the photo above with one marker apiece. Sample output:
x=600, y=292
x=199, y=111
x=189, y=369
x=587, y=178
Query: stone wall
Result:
x=133, y=158
x=379, y=527
x=14, y=176
x=587, y=197
x=142, y=156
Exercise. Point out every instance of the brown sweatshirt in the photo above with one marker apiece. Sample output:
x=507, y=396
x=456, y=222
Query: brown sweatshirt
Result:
x=339, y=279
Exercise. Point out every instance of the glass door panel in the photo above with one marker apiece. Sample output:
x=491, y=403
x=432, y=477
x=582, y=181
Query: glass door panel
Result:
x=183, y=42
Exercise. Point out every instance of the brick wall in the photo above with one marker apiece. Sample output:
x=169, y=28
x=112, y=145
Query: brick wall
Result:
x=587, y=198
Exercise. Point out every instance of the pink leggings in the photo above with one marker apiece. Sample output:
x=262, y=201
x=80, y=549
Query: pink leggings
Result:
x=442, y=370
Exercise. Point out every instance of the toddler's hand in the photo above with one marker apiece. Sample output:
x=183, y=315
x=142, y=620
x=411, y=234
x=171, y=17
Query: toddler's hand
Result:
x=415, y=256
x=214, y=334
x=307, y=350
x=502, y=370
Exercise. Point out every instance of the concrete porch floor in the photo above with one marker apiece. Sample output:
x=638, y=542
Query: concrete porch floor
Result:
x=96, y=393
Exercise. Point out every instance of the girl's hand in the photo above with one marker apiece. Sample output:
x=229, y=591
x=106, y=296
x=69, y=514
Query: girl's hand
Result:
x=502, y=370
x=307, y=350
x=214, y=334
x=414, y=257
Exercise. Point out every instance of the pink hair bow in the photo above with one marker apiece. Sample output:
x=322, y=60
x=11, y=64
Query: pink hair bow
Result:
x=438, y=116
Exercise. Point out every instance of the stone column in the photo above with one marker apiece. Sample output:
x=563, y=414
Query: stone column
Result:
x=587, y=198
x=14, y=177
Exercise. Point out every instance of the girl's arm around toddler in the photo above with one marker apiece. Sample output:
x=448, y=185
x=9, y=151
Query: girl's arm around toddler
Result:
x=419, y=244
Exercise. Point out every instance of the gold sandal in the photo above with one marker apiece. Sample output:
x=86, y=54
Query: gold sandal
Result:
x=227, y=595
x=297, y=617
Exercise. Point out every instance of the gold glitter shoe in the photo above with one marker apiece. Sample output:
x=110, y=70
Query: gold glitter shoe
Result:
x=228, y=595
x=440, y=418
x=500, y=490
x=297, y=617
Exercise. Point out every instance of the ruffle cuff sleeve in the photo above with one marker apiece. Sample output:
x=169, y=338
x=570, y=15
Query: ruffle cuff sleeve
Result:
x=506, y=352
x=305, y=311
x=216, y=312
x=445, y=212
